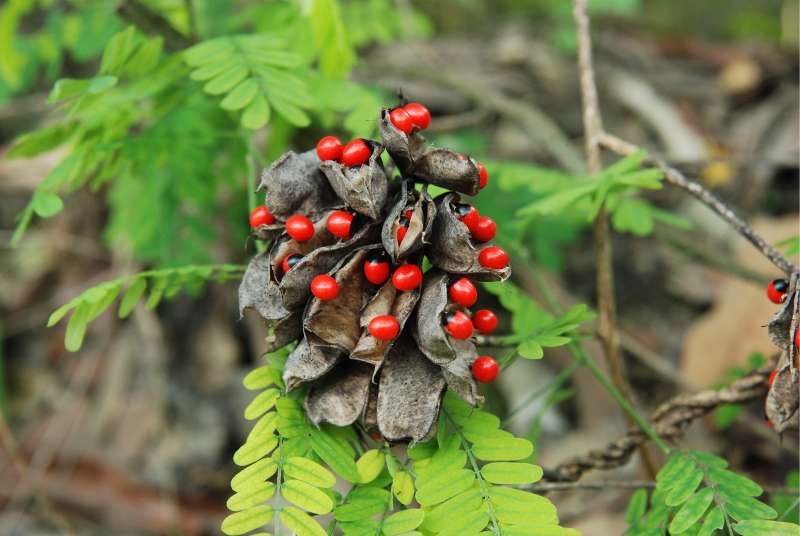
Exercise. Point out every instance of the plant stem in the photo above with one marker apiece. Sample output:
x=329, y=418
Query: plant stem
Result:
x=606, y=302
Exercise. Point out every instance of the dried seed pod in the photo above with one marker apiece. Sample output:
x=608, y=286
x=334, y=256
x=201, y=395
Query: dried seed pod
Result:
x=307, y=363
x=294, y=184
x=362, y=188
x=257, y=291
x=452, y=247
x=409, y=393
x=429, y=333
x=420, y=224
x=458, y=372
x=782, y=405
x=442, y=167
x=340, y=397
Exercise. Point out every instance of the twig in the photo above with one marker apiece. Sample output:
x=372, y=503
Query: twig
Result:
x=678, y=179
x=606, y=302
x=150, y=21
x=669, y=421
x=629, y=484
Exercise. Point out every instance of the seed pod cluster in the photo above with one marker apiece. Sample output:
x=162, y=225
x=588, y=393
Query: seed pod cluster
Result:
x=782, y=405
x=378, y=339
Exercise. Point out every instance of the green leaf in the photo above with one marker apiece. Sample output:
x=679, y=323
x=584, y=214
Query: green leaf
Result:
x=40, y=141
x=511, y=473
x=290, y=112
x=308, y=471
x=403, y=521
x=248, y=520
x=252, y=496
x=507, y=449
x=636, y=507
x=240, y=96
x=254, y=449
x=713, y=521
x=254, y=474
x=306, y=496
x=684, y=487
x=403, y=487
x=301, y=523
x=76, y=327
x=370, y=465
x=333, y=453
x=691, y=511
x=46, y=204
x=734, y=484
x=262, y=403
x=226, y=80
x=530, y=349
x=362, y=503
x=118, y=50
x=256, y=114
x=208, y=51
x=521, y=507
x=468, y=523
x=766, y=528
x=262, y=377
x=743, y=508
x=434, y=493
x=58, y=314
x=66, y=88
x=453, y=511
x=132, y=296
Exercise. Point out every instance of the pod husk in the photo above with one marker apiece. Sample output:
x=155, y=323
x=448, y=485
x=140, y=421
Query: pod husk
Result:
x=362, y=188
x=294, y=184
x=340, y=397
x=419, y=227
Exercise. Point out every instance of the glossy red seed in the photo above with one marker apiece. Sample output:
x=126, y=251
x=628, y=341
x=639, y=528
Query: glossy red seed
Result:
x=419, y=114
x=324, y=287
x=776, y=290
x=355, y=153
x=797, y=338
x=772, y=377
x=289, y=262
x=408, y=213
x=483, y=174
x=339, y=223
x=459, y=325
x=485, y=321
x=329, y=148
x=401, y=234
x=468, y=215
x=401, y=120
x=376, y=269
x=493, y=257
x=407, y=277
x=485, y=229
x=384, y=327
x=260, y=216
x=299, y=227
x=463, y=292
x=485, y=369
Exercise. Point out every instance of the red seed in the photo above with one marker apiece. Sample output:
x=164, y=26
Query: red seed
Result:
x=772, y=377
x=329, y=148
x=776, y=290
x=485, y=369
x=493, y=257
x=459, y=325
x=339, y=223
x=485, y=321
x=483, y=174
x=401, y=234
x=384, y=327
x=376, y=268
x=407, y=277
x=485, y=229
x=463, y=292
x=260, y=216
x=419, y=114
x=797, y=338
x=299, y=227
x=467, y=214
x=401, y=120
x=355, y=153
x=324, y=287
x=289, y=262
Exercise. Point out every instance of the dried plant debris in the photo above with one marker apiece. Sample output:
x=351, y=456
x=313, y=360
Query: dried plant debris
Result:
x=452, y=247
x=416, y=212
x=409, y=394
x=390, y=374
x=340, y=397
x=294, y=184
x=782, y=405
x=362, y=188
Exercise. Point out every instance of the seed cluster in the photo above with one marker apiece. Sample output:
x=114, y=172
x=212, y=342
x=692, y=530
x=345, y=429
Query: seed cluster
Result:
x=344, y=276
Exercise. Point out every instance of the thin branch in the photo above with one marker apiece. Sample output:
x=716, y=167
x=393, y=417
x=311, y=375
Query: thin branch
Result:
x=669, y=421
x=678, y=179
x=150, y=21
x=606, y=301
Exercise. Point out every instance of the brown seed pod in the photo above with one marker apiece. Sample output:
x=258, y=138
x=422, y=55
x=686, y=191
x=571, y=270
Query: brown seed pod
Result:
x=340, y=397
x=307, y=363
x=782, y=405
x=294, y=184
x=362, y=188
x=420, y=224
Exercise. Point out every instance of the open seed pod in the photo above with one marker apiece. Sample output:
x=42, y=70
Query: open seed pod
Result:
x=419, y=225
x=294, y=184
x=453, y=248
x=783, y=399
x=362, y=188
x=442, y=167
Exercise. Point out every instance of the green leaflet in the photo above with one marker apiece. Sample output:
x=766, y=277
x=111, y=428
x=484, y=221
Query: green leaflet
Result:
x=254, y=474
x=636, y=507
x=262, y=377
x=308, y=471
x=334, y=452
x=301, y=523
x=403, y=487
x=370, y=465
x=513, y=448
x=265, y=425
x=251, y=496
x=511, y=473
x=403, y=521
x=743, y=508
x=306, y=496
x=434, y=493
x=469, y=523
x=247, y=520
x=254, y=449
x=714, y=520
x=734, y=484
x=519, y=507
x=683, y=487
x=262, y=403
x=453, y=511
x=362, y=503
x=766, y=528
x=691, y=511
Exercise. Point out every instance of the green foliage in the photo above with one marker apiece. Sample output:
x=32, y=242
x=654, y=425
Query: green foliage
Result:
x=533, y=328
x=726, y=414
x=790, y=246
x=788, y=506
x=697, y=494
x=162, y=284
